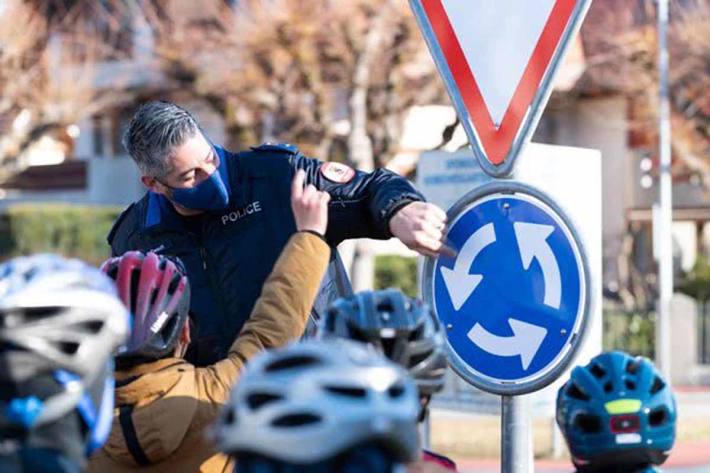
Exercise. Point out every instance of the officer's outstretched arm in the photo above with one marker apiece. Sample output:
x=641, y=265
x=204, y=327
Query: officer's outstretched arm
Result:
x=281, y=311
x=361, y=203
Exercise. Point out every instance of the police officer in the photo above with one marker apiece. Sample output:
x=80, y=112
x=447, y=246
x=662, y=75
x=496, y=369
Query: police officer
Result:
x=227, y=216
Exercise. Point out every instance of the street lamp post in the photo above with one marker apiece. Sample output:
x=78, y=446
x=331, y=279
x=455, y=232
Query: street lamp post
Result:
x=665, y=205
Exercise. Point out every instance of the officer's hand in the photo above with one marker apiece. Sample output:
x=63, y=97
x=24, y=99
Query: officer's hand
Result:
x=309, y=205
x=420, y=226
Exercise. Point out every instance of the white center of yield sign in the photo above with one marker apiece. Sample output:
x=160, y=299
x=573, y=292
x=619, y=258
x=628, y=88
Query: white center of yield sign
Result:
x=498, y=43
x=498, y=59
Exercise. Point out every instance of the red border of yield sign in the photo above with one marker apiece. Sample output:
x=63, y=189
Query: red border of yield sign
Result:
x=498, y=141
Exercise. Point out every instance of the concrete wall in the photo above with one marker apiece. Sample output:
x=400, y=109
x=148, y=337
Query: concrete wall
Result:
x=684, y=341
x=601, y=124
x=113, y=181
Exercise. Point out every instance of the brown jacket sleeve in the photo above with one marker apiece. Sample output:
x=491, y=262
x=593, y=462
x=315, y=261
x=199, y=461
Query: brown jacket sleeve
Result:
x=279, y=315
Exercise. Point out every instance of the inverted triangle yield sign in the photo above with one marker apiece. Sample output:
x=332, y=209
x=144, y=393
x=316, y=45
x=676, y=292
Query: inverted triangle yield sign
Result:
x=498, y=59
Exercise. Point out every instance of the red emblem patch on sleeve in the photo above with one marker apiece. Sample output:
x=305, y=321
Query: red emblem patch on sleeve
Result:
x=337, y=172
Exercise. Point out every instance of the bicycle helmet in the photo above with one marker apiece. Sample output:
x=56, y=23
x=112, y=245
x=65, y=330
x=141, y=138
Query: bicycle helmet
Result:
x=157, y=293
x=313, y=401
x=60, y=322
x=404, y=329
x=617, y=413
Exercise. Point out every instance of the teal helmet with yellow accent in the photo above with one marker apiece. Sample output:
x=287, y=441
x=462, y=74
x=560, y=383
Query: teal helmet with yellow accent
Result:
x=617, y=414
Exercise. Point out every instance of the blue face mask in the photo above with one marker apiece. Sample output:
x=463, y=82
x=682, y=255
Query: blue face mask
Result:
x=210, y=194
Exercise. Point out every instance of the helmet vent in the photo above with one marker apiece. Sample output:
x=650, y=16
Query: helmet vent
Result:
x=35, y=314
x=385, y=306
x=347, y=391
x=598, y=371
x=296, y=420
x=608, y=387
x=112, y=271
x=153, y=297
x=630, y=385
x=135, y=280
x=357, y=334
x=657, y=417
x=70, y=348
x=230, y=417
x=396, y=391
x=632, y=367
x=388, y=345
x=418, y=358
x=575, y=392
x=90, y=326
x=587, y=423
x=174, y=284
x=658, y=384
x=259, y=400
x=292, y=362
x=416, y=334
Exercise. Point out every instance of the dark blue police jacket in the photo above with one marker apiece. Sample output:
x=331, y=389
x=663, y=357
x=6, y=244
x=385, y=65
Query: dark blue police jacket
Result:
x=229, y=254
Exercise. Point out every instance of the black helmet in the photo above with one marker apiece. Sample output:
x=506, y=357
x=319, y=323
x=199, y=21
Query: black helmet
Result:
x=402, y=328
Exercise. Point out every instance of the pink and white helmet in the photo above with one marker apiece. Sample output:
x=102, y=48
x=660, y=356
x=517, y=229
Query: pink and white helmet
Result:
x=157, y=293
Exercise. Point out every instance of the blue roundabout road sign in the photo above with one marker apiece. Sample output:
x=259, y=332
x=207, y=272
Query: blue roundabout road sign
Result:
x=515, y=298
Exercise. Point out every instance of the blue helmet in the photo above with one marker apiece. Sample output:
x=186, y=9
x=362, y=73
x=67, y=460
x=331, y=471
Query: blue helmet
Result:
x=617, y=414
x=60, y=325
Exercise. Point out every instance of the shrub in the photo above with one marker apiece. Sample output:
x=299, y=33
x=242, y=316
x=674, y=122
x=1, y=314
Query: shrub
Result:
x=633, y=332
x=70, y=230
x=396, y=271
x=696, y=283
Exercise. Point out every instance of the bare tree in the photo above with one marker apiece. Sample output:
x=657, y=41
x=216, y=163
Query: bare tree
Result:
x=622, y=40
x=49, y=54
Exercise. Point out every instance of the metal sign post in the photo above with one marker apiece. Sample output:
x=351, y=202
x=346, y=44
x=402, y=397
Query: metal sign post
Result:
x=516, y=447
x=665, y=220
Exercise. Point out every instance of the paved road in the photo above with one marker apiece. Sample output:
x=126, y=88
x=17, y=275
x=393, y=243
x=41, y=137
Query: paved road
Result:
x=691, y=403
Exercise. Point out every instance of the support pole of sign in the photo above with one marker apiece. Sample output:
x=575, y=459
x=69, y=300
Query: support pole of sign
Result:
x=558, y=440
x=425, y=432
x=516, y=445
x=665, y=220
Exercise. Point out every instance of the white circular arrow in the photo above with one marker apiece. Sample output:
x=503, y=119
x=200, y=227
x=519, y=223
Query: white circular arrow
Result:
x=525, y=342
x=458, y=281
x=532, y=243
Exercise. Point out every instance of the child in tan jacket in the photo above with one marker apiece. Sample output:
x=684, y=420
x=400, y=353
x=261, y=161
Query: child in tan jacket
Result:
x=163, y=403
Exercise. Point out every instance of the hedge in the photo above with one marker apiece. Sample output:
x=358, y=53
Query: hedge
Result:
x=696, y=283
x=70, y=230
x=396, y=271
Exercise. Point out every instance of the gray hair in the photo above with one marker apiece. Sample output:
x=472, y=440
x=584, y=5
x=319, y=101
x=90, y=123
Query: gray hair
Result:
x=155, y=130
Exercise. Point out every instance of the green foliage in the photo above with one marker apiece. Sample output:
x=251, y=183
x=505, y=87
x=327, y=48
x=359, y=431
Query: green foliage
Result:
x=70, y=230
x=696, y=283
x=632, y=332
x=396, y=271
